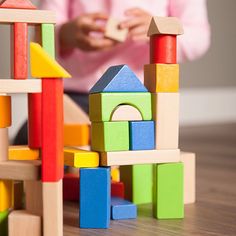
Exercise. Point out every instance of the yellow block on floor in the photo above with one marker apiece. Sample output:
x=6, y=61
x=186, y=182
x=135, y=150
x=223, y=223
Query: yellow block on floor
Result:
x=6, y=194
x=23, y=153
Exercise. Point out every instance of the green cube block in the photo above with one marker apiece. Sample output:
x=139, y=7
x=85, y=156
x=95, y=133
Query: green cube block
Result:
x=4, y=223
x=48, y=39
x=168, y=191
x=110, y=136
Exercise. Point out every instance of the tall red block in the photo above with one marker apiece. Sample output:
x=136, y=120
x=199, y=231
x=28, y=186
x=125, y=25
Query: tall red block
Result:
x=20, y=50
x=52, y=129
x=163, y=49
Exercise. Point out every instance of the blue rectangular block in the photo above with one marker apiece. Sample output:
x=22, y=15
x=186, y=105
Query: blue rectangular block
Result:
x=95, y=197
x=122, y=209
x=142, y=135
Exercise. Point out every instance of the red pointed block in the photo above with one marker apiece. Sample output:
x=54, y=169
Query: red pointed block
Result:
x=17, y=4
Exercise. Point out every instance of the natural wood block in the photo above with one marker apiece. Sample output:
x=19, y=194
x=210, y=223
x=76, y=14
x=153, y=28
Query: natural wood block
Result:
x=189, y=161
x=139, y=157
x=27, y=16
x=53, y=209
x=166, y=115
x=5, y=111
x=114, y=32
x=18, y=195
x=6, y=194
x=4, y=144
x=23, y=223
x=20, y=86
x=20, y=170
x=161, y=78
x=23, y=153
x=126, y=113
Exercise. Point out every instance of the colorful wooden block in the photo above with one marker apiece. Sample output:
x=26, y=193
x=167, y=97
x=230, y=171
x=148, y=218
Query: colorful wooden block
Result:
x=115, y=173
x=126, y=113
x=23, y=153
x=4, y=223
x=76, y=134
x=138, y=181
x=162, y=78
x=102, y=105
x=4, y=144
x=43, y=65
x=17, y=4
x=118, y=79
x=110, y=136
x=52, y=209
x=18, y=195
x=71, y=186
x=139, y=157
x=80, y=158
x=114, y=32
x=189, y=161
x=48, y=39
x=95, y=197
x=122, y=209
x=168, y=191
x=23, y=223
x=20, y=50
x=166, y=115
x=142, y=135
x=117, y=189
x=6, y=194
x=5, y=111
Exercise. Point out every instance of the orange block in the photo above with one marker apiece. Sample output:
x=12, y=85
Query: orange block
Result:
x=5, y=111
x=76, y=134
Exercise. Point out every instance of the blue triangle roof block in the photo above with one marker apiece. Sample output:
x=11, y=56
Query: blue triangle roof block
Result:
x=118, y=79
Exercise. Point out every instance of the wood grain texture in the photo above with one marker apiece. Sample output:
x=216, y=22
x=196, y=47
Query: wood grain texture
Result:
x=3, y=144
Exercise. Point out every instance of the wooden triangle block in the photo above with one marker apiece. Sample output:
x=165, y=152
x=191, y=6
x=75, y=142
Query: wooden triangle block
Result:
x=17, y=4
x=43, y=66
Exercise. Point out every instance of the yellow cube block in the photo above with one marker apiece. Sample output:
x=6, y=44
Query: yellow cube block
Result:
x=6, y=194
x=115, y=173
x=161, y=78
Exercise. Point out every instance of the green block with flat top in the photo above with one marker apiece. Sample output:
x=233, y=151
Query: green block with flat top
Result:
x=102, y=105
x=48, y=39
x=168, y=191
x=4, y=223
x=110, y=136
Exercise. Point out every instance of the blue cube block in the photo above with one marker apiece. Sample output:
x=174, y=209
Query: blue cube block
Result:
x=142, y=135
x=122, y=209
x=95, y=197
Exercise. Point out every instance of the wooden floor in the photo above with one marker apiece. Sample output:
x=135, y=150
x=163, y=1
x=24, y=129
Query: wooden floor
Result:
x=214, y=213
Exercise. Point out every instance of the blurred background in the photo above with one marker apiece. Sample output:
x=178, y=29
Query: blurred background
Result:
x=208, y=85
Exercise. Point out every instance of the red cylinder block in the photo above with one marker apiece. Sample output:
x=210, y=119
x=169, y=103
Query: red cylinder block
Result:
x=163, y=49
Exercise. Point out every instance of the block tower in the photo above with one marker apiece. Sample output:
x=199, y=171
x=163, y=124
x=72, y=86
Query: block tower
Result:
x=39, y=165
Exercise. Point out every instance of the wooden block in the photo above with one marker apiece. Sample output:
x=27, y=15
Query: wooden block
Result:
x=126, y=113
x=189, y=161
x=168, y=191
x=5, y=111
x=18, y=195
x=3, y=144
x=117, y=189
x=165, y=25
x=34, y=197
x=122, y=209
x=114, y=32
x=162, y=78
x=6, y=194
x=115, y=173
x=80, y=158
x=27, y=16
x=17, y=4
x=48, y=39
x=95, y=197
x=166, y=116
x=73, y=114
x=53, y=209
x=24, y=223
x=71, y=186
x=118, y=79
x=163, y=49
x=110, y=136
x=20, y=86
x=43, y=65
x=4, y=223
x=23, y=153
x=52, y=130
x=142, y=135
x=138, y=182
x=20, y=170
x=20, y=50
x=35, y=120
x=76, y=135
x=139, y=157
x=102, y=105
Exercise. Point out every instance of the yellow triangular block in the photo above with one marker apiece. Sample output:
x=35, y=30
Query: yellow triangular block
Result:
x=43, y=66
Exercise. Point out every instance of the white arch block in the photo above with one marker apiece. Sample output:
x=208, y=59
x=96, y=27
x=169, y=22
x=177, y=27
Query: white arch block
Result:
x=126, y=113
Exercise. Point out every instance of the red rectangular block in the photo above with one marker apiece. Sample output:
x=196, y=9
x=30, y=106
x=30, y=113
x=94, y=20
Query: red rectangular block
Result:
x=71, y=187
x=117, y=189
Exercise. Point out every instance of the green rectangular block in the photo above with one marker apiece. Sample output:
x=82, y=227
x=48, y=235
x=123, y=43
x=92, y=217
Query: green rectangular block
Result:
x=4, y=223
x=168, y=191
x=48, y=39
x=138, y=181
x=110, y=136
x=102, y=105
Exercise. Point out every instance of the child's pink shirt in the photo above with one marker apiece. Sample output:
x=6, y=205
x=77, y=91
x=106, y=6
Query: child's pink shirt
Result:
x=86, y=68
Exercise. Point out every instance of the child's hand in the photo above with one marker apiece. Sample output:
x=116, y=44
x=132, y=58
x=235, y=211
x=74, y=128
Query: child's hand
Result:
x=77, y=33
x=138, y=23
